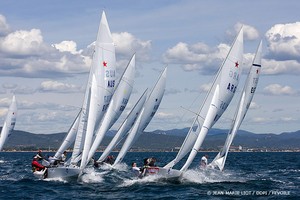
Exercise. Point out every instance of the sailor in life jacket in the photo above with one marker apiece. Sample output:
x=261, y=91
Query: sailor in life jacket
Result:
x=36, y=166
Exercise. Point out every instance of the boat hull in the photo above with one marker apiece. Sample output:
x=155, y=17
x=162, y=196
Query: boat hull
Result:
x=163, y=172
x=58, y=172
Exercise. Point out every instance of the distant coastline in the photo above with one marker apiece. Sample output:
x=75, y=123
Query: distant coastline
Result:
x=21, y=141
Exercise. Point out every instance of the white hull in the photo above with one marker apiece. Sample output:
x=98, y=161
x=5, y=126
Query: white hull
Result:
x=58, y=172
x=163, y=172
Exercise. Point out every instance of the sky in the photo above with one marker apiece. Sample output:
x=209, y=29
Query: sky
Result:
x=45, y=56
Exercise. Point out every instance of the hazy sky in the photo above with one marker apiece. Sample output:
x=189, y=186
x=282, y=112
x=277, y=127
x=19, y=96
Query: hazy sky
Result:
x=45, y=55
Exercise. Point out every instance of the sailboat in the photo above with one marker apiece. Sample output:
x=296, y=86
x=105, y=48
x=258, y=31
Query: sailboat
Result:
x=125, y=127
x=244, y=103
x=9, y=123
x=148, y=111
x=116, y=107
x=216, y=102
x=69, y=139
x=99, y=90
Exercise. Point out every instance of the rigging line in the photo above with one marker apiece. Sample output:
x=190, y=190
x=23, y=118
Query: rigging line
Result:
x=197, y=114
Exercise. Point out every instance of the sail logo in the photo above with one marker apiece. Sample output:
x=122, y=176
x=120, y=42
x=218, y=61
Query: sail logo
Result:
x=237, y=64
x=104, y=64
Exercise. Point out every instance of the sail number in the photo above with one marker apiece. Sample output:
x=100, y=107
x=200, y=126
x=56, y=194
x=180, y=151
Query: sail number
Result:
x=253, y=89
x=110, y=73
x=231, y=87
x=111, y=83
x=124, y=102
x=234, y=75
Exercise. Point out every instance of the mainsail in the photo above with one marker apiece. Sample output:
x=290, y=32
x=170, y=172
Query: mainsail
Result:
x=244, y=103
x=116, y=106
x=9, y=123
x=103, y=70
x=224, y=89
x=125, y=126
x=148, y=111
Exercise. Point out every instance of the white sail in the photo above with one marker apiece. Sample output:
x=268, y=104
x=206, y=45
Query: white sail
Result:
x=9, y=123
x=116, y=106
x=69, y=139
x=187, y=144
x=224, y=88
x=103, y=67
x=244, y=103
x=145, y=116
x=91, y=121
x=125, y=126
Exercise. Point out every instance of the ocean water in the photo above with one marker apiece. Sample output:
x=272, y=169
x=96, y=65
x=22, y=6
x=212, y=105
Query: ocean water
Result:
x=266, y=175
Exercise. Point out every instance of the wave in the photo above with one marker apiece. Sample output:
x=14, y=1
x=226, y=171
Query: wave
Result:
x=210, y=176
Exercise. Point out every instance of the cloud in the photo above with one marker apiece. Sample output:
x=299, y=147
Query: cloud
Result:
x=198, y=56
x=24, y=53
x=23, y=43
x=254, y=106
x=4, y=27
x=250, y=33
x=127, y=44
x=276, y=89
x=283, y=42
x=58, y=87
x=67, y=46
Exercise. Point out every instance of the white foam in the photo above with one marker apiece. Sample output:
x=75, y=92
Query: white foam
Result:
x=58, y=179
x=210, y=176
x=91, y=176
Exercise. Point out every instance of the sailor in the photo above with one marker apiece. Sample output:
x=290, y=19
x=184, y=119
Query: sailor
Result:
x=63, y=157
x=136, y=170
x=152, y=162
x=39, y=155
x=203, y=162
x=36, y=166
x=110, y=159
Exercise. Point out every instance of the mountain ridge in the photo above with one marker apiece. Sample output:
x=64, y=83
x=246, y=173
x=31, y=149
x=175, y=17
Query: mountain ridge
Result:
x=22, y=140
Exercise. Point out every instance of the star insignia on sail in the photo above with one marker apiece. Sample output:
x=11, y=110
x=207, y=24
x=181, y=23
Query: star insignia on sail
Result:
x=236, y=64
x=104, y=64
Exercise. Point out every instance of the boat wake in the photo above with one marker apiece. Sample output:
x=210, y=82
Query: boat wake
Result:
x=92, y=176
x=127, y=182
x=58, y=179
x=210, y=176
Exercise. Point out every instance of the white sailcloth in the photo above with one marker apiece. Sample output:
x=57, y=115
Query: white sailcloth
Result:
x=148, y=111
x=116, y=106
x=224, y=86
x=91, y=122
x=69, y=139
x=103, y=68
x=244, y=103
x=125, y=126
x=9, y=123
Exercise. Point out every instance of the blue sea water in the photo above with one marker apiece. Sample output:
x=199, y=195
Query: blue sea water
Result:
x=268, y=175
